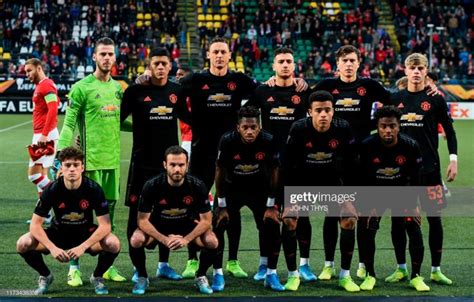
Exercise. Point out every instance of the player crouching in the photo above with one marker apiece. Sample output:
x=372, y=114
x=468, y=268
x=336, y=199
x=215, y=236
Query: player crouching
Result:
x=73, y=199
x=173, y=210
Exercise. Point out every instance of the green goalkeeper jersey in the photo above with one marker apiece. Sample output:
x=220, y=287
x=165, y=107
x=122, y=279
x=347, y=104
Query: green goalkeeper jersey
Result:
x=95, y=107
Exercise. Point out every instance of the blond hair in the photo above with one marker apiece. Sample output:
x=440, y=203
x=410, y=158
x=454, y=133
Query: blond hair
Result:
x=402, y=83
x=416, y=59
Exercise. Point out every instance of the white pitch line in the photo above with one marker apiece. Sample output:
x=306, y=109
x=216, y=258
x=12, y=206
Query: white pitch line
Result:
x=15, y=126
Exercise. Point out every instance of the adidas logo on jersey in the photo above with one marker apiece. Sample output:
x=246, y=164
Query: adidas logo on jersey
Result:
x=335, y=91
x=400, y=106
x=97, y=96
x=147, y=99
x=205, y=87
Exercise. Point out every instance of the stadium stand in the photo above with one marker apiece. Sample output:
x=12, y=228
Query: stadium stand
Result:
x=62, y=34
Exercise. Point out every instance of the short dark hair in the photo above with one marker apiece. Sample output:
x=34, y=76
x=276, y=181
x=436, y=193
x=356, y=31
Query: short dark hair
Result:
x=347, y=49
x=320, y=96
x=218, y=39
x=186, y=69
x=387, y=111
x=282, y=50
x=159, y=52
x=71, y=153
x=248, y=112
x=103, y=41
x=176, y=150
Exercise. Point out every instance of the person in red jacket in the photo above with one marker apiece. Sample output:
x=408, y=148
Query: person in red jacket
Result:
x=45, y=120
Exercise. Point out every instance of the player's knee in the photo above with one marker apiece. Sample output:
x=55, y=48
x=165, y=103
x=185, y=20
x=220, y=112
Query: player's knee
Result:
x=290, y=223
x=348, y=223
x=137, y=240
x=112, y=244
x=210, y=241
x=23, y=244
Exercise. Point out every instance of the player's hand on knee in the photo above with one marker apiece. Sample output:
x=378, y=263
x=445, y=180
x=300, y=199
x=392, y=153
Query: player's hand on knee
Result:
x=222, y=215
x=76, y=253
x=59, y=254
x=271, y=213
x=176, y=242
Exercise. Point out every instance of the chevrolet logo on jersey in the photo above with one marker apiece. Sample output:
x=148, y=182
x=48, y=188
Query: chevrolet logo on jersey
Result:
x=347, y=102
x=219, y=98
x=109, y=108
x=411, y=117
x=174, y=212
x=319, y=156
x=282, y=110
x=73, y=216
x=388, y=172
x=246, y=169
x=161, y=110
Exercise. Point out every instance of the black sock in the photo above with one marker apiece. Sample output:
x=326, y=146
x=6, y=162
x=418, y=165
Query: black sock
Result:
x=164, y=253
x=219, y=253
x=360, y=227
x=347, y=247
x=369, y=251
x=35, y=260
x=415, y=247
x=399, y=239
x=234, y=229
x=192, y=252
x=303, y=234
x=205, y=261
x=272, y=237
x=106, y=259
x=330, y=234
x=138, y=257
x=435, y=240
x=289, y=241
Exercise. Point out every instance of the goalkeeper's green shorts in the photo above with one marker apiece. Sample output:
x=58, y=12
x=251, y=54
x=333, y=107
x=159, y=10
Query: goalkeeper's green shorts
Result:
x=109, y=180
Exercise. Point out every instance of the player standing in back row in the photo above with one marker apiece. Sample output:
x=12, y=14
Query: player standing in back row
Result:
x=421, y=115
x=94, y=105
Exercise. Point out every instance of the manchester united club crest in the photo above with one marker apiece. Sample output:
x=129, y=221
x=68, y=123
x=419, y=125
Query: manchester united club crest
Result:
x=376, y=160
x=173, y=98
x=84, y=204
x=232, y=86
x=400, y=160
x=295, y=99
x=260, y=156
x=133, y=198
x=425, y=106
x=333, y=143
x=361, y=91
x=187, y=200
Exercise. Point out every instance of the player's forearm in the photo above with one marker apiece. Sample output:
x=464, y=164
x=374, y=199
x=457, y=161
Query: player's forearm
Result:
x=99, y=234
x=67, y=131
x=201, y=228
x=50, y=118
x=150, y=230
x=39, y=234
x=451, y=138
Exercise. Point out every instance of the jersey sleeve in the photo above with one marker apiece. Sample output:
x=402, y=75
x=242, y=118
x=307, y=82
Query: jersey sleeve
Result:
x=222, y=160
x=182, y=111
x=101, y=206
x=379, y=93
x=44, y=205
x=50, y=95
x=76, y=104
x=250, y=84
x=145, y=204
x=443, y=117
x=203, y=205
x=127, y=105
x=187, y=84
x=274, y=158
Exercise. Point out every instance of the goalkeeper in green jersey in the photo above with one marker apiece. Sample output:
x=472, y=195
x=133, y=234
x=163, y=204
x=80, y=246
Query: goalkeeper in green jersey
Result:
x=94, y=106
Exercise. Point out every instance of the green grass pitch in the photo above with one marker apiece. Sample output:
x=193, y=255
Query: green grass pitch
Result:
x=18, y=196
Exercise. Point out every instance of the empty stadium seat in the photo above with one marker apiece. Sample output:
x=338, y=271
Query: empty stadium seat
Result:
x=89, y=69
x=148, y=16
x=217, y=18
x=217, y=25
x=201, y=18
x=80, y=68
x=141, y=69
x=232, y=65
x=208, y=17
x=139, y=16
x=7, y=56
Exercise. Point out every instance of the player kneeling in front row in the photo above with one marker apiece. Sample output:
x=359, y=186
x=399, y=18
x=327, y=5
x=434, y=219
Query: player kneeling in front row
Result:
x=174, y=210
x=73, y=198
